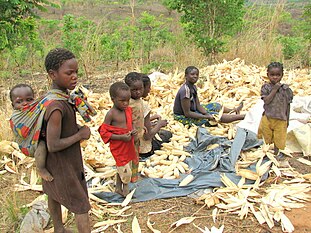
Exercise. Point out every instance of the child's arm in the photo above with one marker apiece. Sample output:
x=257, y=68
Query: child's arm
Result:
x=268, y=98
x=199, y=107
x=185, y=104
x=152, y=131
x=120, y=137
x=54, y=142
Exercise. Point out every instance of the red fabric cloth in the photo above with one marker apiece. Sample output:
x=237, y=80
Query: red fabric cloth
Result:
x=123, y=152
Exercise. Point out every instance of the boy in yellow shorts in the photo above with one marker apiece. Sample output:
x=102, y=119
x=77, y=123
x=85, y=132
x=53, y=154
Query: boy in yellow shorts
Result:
x=277, y=98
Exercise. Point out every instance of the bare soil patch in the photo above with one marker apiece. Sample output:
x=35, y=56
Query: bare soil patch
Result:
x=300, y=218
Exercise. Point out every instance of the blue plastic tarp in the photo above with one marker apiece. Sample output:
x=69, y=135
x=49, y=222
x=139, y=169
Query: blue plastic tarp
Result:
x=207, y=167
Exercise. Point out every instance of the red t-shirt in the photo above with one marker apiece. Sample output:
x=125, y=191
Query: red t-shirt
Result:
x=123, y=152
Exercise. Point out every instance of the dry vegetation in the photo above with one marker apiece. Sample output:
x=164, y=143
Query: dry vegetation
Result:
x=258, y=42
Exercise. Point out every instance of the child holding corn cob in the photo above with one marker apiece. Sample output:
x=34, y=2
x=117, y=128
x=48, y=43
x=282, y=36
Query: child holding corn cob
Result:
x=150, y=143
x=134, y=81
x=187, y=107
x=118, y=131
x=277, y=98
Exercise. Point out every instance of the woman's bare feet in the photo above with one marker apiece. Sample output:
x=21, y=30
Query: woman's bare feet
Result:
x=239, y=108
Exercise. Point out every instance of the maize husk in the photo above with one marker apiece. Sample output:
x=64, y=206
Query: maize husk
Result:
x=150, y=226
x=248, y=174
x=128, y=198
x=109, y=222
x=161, y=211
x=185, y=220
x=135, y=225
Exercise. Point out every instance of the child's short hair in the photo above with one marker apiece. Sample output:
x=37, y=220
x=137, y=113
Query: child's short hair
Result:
x=56, y=57
x=19, y=86
x=132, y=77
x=116, y=87
x=146, y=79
x=189, y=69
x=275, y=65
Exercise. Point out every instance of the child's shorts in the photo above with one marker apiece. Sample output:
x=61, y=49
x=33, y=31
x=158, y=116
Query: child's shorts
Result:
x=125, y=173
x=273, y=131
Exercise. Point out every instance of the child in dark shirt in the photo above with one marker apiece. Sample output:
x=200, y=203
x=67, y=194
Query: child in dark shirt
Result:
x=117, y=130
x=277, y=98
x=63, y=136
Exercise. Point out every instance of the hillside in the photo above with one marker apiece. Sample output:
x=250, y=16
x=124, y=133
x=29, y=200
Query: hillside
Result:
x=100, y=10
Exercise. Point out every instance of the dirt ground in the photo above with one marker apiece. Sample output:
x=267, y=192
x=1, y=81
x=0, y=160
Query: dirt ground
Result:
x=300, y=218
x=182, y=207
x=185, y=207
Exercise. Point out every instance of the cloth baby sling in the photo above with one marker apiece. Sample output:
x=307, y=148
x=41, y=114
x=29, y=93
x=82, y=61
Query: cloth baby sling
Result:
x=26, y=123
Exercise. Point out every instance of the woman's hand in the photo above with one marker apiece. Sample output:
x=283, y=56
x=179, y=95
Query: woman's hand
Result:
x=209, y=117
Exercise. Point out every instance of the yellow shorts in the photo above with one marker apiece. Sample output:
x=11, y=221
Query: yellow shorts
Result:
x=125, y=173
x=273, y=131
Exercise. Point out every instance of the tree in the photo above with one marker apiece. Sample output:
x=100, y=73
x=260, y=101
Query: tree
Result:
x=307, y=24
x=208, y=23
x=17, y=22
x=124, y=40
x=307, y=30
x=152, y=31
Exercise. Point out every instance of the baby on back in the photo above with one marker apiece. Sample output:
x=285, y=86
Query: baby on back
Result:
x=21, y=95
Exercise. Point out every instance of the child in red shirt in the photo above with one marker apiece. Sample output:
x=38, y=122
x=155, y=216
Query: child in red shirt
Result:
x=117, y=129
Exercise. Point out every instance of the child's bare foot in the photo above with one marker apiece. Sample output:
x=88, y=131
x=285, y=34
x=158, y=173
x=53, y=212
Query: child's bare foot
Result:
x=125, y=190
x=44, y=173
x=119, y=191
x=118, y=188
x=239, y=108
